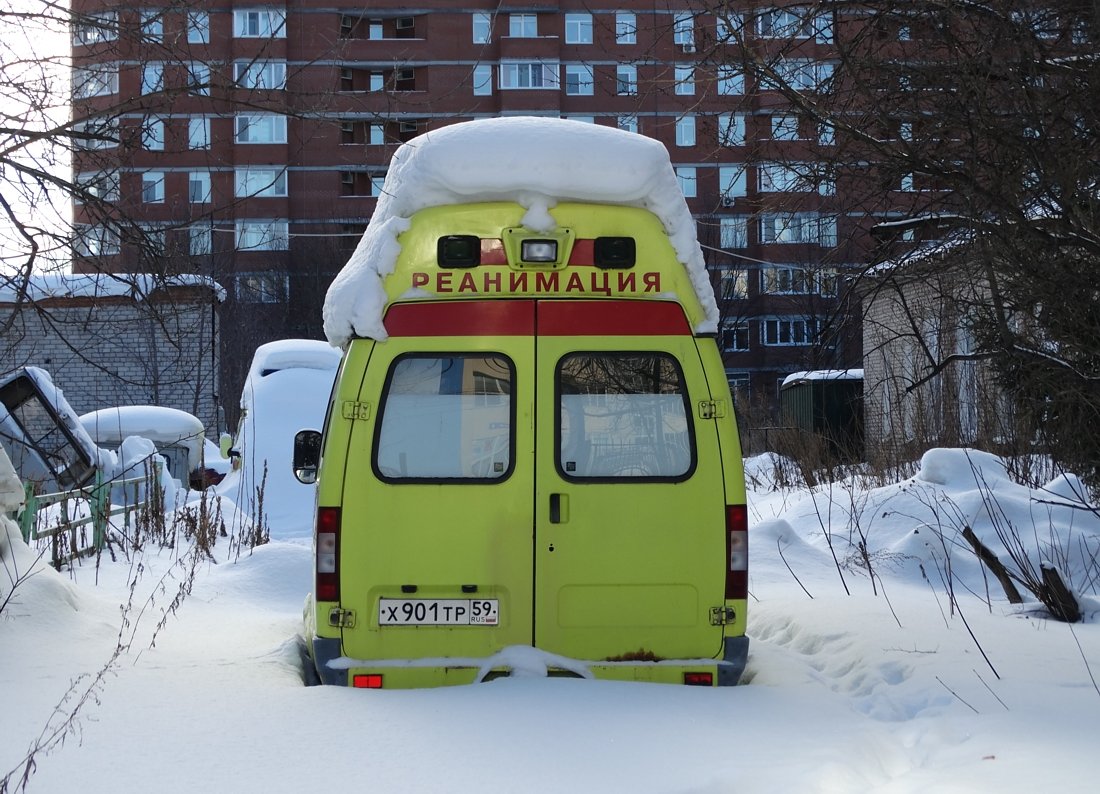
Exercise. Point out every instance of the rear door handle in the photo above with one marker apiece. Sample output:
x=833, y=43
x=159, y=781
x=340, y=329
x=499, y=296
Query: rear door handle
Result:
x=559, y=508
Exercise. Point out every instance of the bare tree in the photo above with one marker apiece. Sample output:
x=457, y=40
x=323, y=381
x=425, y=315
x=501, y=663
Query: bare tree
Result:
x=973, y=124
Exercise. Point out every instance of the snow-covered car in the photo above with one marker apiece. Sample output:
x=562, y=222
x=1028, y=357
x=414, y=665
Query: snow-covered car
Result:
x=287, y=389
x=191, y=458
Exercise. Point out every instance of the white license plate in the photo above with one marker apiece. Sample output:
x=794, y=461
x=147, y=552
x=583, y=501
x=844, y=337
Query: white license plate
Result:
x=438, y=612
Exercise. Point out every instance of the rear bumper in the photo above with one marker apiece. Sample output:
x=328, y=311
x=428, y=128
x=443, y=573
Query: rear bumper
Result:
x=335, y=669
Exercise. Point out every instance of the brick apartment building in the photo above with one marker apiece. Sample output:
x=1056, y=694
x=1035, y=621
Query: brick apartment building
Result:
x=248, y=141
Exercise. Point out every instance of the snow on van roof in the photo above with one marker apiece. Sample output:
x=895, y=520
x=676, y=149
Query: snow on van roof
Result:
x=293, y=354
x=535, y=162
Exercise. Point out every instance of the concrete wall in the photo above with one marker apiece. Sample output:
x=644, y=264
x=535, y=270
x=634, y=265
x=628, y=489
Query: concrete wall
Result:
x=115, y=350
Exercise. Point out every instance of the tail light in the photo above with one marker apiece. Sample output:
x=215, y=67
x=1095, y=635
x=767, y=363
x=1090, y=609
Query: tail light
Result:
x=367, y=681
x=327, y=584
x=737, y=552
x=699, y=679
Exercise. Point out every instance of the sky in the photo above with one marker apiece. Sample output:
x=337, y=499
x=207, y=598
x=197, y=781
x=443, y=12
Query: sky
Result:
x=34, y=94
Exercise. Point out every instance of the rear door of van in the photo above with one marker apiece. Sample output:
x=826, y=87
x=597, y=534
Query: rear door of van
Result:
x=629, y=504
x=437, y=509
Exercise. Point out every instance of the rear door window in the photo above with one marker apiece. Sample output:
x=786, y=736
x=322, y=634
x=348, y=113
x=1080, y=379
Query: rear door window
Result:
x=623, y=416
x=446, y=417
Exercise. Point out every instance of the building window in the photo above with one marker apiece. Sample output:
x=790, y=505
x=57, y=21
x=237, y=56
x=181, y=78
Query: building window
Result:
x=523, y=26
x=578, y=28
x=794, y=23
x=362, y=183
x=786, y=280
x=260, y=75
x=198, y=79
x=683, y=32
x=377, y=82
x=734, y=285
x=826, y=134
x=95, y=241
x=198, y=27
x=95, y=79
x=152, y=78
x=97, y=186
x=731, y=81
x=628, y=122
x=198, y=133
x=483, y=80
x=152, y=134
x=685, y=80
x=152, y=241
x=626, y=28
x=734, y=232
x=730, y=25
x=739, y=384
x=795, y=227
x=96, y=133
x=528, y=74
x=779, y=178
x=261, y=183
x=731, y=183
x=265, y=128
x=152, y=26
x=259, y=23
x=686, y=175
x=735, y=336
x=482, y=27
x=200, y=240
x=685, y=131
x=265, y=287
x=784, y=331
x=374, y=30
x=152, y=187
x=198, y=187
x=376, y=134
x=626, y=80
x=95, y=28
x=578, y=80
x=263, y=235
x=785, y=128
x=800, y=74
x=731, y=129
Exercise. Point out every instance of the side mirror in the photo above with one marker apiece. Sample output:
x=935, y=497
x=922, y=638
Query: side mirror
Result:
x=307, y=456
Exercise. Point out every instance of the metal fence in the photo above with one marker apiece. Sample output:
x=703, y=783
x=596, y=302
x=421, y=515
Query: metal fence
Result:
x=89, y=506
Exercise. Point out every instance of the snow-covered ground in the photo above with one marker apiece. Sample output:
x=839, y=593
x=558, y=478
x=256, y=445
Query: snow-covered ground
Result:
x=891, y=687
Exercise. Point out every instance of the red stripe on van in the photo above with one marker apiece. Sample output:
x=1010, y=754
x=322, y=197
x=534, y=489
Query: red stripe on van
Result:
x=611, y=318
x=583, y=253
x=462, y=318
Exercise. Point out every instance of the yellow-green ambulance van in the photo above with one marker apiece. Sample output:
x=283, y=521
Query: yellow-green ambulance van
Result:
x=530, y=459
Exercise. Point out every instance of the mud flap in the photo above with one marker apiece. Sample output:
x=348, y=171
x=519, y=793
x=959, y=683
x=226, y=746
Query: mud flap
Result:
x=736, y=656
